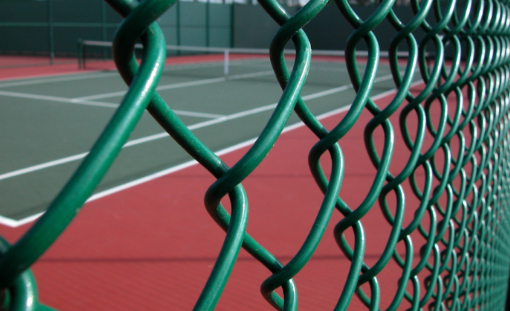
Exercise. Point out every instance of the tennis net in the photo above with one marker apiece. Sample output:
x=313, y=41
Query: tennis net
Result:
x=98, y=55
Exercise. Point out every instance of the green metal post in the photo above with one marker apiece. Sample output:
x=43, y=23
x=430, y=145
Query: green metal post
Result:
x=507, y=307
x=207, y=22
x=80, y=53
x=50, y=31
x=178, y=24
x=232, y=25
x=104, y=35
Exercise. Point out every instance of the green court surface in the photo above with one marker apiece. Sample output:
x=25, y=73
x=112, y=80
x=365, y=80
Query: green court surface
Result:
x=49, y=124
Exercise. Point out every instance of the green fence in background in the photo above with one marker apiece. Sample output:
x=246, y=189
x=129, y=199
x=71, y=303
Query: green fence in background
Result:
x=53, y=27
x=198, y=24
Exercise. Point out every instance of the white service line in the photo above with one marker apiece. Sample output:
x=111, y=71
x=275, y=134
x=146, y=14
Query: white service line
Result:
x=159, y=88
x=327, y=92
x=16, y=223
x=99, y=104
x=197, y=114
x=181, y=85
x=57, y=99
x=384, y=78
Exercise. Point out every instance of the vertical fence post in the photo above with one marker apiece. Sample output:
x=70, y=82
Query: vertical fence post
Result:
x=80, y=53
x=232, y=24
x=507, y=307
x=104, y=35
x=50, y=31
x=207, y=22
x=178, y=24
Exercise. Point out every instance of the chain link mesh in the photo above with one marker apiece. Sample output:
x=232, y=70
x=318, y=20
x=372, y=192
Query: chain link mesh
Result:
x=460, y=179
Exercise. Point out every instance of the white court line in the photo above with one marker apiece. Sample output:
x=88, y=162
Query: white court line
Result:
x=384, y=78
x=59, y=79
x=41, y=166
x=16, y=223
x=57, y=99
x=98, y=104
x=197, y=114
x=313, y=68
x=181, y=85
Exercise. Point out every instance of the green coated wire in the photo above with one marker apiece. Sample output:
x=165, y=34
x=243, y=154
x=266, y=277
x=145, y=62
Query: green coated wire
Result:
x=461, y=179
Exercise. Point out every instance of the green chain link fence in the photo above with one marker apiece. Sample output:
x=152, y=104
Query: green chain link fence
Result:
x=464, y=263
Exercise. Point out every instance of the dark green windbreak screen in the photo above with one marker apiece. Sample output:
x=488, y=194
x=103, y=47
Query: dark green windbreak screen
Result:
x=455, y=127
x=32, y=27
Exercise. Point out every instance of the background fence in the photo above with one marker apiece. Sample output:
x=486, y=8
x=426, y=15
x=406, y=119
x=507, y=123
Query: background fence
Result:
x=54, y=26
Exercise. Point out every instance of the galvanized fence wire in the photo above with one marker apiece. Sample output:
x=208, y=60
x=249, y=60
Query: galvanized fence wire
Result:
x=460, y=179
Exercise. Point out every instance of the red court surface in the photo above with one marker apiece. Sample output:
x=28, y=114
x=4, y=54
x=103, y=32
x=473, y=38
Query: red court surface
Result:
x=7, y=61
x=13, y=66
x=152, y=247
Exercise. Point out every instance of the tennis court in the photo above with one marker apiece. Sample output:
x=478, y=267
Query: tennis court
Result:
x=146, y=228
x=52, y=122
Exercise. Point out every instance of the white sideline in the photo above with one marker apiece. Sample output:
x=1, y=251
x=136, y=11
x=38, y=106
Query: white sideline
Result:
x=79, y=76
x=16, y=223
x=197, y=114
x=181, y=85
